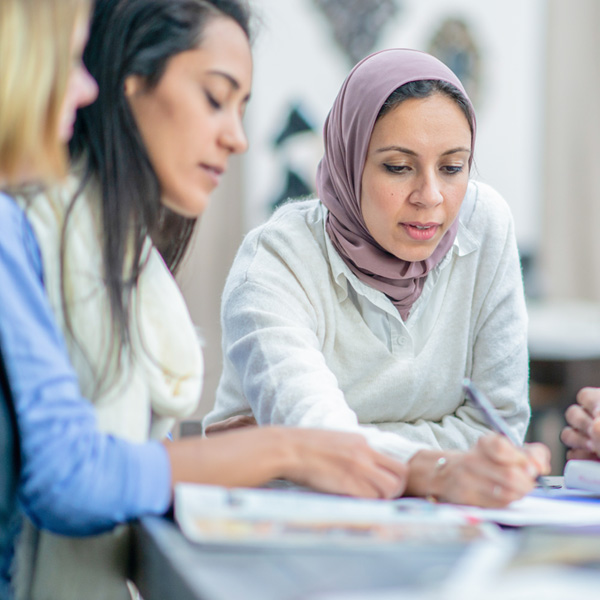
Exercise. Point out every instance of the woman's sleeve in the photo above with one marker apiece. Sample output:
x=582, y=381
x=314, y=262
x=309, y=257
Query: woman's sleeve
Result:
x=500, y=367
x=500, y=362
x=273, y=363
x=74, y=479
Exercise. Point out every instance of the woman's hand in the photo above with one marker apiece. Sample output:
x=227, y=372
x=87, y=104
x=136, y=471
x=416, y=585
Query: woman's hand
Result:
x=237, y=422
x=343, y=463
x=582, y=434
x=491, y=474
x=327, y=461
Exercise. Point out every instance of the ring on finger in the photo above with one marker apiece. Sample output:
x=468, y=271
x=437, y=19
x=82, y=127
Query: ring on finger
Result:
x=497, y=491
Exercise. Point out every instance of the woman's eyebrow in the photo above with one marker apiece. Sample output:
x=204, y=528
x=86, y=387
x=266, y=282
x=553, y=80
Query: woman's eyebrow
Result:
x=397, y=149
x=456, y=150
x=413, y=153
x=232, y=80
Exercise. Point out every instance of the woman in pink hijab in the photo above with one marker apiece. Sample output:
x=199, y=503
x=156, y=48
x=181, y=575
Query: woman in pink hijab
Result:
x=365, y=309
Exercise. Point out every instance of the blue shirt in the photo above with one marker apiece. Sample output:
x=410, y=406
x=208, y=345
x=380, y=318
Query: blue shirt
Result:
x=74, y=479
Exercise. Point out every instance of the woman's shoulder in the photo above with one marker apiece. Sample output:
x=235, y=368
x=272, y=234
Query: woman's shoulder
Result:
x=485, y=210
x=296, y=222
x=10, y=213
x=14, y=226
x=292, y=239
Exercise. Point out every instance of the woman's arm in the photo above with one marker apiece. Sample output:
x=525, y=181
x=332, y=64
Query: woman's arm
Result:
x=274, y=366
x=74, y=479
x=327, y=461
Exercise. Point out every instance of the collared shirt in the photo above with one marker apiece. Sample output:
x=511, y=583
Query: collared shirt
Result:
x=383, y=319
x=306, y=343
x=74, y=479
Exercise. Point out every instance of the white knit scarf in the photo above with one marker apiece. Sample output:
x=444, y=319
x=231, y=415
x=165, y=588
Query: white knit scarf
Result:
x=158, y=381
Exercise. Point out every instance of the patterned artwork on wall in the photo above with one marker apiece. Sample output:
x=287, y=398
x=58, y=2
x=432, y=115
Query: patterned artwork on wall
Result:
x=357, y=24
x=291, y=138
x=454, y=44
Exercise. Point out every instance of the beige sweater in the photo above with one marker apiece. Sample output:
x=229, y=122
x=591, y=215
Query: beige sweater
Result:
x=306, y=343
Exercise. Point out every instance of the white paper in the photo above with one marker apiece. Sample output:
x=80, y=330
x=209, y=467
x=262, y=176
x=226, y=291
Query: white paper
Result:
x=581, y=510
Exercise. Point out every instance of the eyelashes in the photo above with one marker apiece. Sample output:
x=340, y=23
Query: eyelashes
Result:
x=214, y=103
x=401, y=169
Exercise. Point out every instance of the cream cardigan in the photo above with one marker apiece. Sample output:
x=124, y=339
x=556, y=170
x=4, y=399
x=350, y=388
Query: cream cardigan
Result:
x=159, y=381
x=306, y=343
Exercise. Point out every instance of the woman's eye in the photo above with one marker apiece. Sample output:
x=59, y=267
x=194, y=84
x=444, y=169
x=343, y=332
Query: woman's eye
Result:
x=212, y=100
x=396, y=168
x=452, y=170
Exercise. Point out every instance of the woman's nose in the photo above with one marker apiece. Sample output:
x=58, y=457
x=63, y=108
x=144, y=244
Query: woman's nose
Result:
x=428, y=192
x=234, y=136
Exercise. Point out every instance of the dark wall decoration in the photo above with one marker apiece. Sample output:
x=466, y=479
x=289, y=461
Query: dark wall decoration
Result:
x=454, y=44
x=296, y=125
x=357, y=24
x=295, y=187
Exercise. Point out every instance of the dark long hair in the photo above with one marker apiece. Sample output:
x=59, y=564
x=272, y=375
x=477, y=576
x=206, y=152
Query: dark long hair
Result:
x=134, y=37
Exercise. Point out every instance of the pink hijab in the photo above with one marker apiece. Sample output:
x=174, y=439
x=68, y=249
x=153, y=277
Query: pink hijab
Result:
x=347, y=134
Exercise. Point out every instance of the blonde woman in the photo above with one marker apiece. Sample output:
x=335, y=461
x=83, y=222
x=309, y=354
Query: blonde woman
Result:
x=42, y=82
x=75, y=479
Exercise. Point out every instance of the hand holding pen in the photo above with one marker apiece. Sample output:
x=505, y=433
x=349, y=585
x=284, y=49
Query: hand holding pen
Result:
x=492, y=473
x=494, y=420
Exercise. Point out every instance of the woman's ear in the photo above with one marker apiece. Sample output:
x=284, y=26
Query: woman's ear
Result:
x=133, y=85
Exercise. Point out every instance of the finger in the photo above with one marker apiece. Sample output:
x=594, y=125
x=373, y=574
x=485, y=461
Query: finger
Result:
x=472, y=478
x=389, y=484
x=386, y=474
x=398, y=468
x=500, y=495
x=504, y=484
x=589, y=399
x=514, y=474
x=500, y=450
x=582, y=455
x=572, y=438
x=578, y=418
x=594, y=433
x=539, y=458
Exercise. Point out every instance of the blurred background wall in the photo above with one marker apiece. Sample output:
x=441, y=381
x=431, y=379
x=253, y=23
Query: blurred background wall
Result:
x=532, y=70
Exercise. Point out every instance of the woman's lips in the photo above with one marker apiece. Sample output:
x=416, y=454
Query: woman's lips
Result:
x=215, y=173
x=421, y=232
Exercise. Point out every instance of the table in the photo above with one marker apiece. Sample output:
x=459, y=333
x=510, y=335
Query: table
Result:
x=166, y=565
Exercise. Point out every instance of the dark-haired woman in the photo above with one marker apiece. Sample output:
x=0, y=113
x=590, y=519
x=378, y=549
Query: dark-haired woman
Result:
x=174, y=79
x=365, y=310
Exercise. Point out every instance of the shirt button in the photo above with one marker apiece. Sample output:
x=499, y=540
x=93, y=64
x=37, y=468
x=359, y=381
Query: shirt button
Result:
x=401, y=341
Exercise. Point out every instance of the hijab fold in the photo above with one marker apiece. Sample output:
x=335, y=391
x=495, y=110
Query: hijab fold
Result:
x=347, y=134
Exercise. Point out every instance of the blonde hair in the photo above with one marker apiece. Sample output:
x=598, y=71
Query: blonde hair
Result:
x=35, y=63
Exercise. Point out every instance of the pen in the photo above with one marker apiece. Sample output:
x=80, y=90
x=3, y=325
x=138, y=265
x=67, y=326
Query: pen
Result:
x=494, y=420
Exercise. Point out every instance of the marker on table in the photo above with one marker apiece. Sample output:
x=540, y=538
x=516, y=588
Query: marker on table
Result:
x=494, y=420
